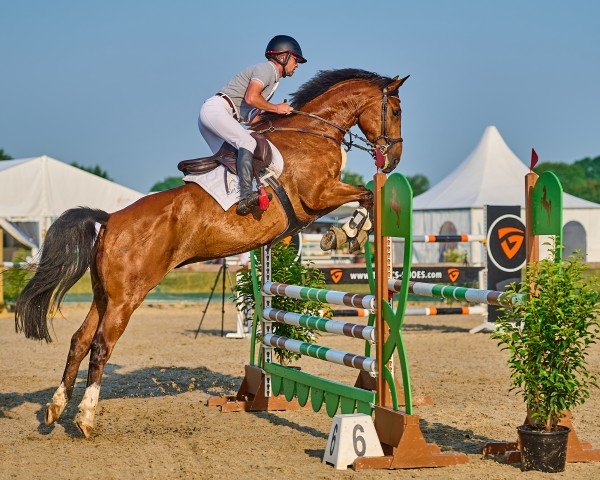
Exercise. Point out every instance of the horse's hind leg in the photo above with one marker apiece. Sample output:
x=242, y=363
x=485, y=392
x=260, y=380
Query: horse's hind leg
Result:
x=110, y=329
x=80, y=346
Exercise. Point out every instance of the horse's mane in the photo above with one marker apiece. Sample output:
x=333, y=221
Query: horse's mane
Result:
x=325, y=79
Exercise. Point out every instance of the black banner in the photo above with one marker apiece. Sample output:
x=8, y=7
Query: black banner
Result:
x=505, y=249
x=433, y=274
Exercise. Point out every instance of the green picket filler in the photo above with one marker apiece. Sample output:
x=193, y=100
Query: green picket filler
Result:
x=547, y=209
x=294, y=383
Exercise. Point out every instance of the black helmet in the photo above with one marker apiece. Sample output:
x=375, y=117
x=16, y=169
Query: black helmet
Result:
x=284, y=44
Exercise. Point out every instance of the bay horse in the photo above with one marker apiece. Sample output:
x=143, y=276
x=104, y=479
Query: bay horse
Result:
x=134, y=248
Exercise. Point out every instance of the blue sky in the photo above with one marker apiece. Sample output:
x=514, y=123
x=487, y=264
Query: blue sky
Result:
x=119, y=84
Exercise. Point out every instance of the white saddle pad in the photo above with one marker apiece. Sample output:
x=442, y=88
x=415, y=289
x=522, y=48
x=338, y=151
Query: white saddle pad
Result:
x=214, y=182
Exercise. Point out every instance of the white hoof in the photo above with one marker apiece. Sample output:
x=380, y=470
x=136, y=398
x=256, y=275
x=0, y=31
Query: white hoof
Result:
x=87, y=410
x=57, y=406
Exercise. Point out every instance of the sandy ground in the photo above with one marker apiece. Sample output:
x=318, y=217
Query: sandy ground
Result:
x=152, y=422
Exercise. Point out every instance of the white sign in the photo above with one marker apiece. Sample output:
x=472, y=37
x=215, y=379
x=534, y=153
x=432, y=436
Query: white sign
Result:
x=351, y=436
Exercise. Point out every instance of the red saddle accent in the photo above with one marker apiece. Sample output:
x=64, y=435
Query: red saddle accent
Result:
x=227, y=156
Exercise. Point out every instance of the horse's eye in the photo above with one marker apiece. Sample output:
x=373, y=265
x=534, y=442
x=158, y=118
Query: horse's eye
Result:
x=395, y=112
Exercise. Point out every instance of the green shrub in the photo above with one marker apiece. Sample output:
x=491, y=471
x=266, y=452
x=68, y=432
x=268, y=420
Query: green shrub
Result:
x=15, y=278
x=547, y=337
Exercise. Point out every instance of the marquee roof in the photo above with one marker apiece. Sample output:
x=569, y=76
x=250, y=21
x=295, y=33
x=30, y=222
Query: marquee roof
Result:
x=491, y=175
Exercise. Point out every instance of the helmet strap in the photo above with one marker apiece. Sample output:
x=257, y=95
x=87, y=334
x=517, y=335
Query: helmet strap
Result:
x=283, y=62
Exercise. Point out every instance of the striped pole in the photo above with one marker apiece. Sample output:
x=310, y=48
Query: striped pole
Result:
x=424, y=238
x=435, y=311
x=462, y=238
x=319, y=323
x=320, y=295
x=418, y=311
x=358, y=312
x=322, y=353
x=473, y=295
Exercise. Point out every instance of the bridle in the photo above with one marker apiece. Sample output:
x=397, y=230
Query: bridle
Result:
x=371, y=145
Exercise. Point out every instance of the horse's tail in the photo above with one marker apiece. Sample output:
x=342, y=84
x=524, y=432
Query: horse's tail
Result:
x=67, y=252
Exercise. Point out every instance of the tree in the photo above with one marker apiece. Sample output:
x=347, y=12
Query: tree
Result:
x=96, y=170
x=167, y=184
x=419, y=183
x=352, y=178
x=4, y=155
x=581, y=178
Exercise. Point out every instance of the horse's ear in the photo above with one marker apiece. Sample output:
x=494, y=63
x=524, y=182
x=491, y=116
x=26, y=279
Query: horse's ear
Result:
x=396, y=84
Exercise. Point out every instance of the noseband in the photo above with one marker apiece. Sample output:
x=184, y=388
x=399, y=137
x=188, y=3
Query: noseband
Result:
x=372, y=145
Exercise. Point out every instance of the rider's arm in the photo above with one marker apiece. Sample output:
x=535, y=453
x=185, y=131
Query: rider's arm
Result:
x=255, y=99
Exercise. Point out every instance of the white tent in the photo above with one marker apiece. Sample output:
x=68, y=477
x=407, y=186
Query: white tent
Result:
x=39, y=189
x=493, y=175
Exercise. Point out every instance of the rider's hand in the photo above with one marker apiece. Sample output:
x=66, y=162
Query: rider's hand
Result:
x=283, y=109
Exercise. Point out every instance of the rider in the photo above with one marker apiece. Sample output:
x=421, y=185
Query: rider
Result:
x=237, y=103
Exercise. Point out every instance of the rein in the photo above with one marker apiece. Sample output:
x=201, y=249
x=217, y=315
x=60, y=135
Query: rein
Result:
x=372, y=146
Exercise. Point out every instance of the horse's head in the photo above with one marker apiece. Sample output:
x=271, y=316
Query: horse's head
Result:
x=380, y=121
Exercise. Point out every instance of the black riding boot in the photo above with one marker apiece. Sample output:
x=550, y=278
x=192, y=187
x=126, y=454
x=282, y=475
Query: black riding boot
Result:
x=248, y=198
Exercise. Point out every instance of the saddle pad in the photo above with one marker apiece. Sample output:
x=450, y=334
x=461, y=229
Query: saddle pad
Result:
x=214, y=181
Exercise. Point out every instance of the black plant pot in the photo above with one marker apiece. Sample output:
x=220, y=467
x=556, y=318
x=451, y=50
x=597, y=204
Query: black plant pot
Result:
x=543, y=451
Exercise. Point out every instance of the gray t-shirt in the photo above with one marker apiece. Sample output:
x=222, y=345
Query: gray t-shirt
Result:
x=264, y=72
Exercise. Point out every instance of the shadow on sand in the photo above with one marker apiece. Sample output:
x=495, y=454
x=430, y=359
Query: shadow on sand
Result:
x=173, y=381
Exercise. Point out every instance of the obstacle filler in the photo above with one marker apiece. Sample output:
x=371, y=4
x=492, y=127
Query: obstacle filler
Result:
x=265, y=381
x=402, y=441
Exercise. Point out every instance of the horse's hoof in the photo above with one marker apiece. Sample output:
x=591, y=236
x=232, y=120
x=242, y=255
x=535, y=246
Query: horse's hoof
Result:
x=85, y=428
x=53, y=412
x=334, y=238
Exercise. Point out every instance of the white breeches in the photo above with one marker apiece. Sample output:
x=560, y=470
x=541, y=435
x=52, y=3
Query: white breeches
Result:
x=216, y=124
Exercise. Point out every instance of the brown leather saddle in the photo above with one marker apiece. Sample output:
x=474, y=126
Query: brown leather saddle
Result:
x=227, y=156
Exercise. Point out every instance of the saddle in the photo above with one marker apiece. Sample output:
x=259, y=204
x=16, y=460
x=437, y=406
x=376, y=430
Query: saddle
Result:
x=227, y=156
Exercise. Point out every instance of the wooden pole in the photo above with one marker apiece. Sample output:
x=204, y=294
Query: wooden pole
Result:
x=381, y=275
x=532, y=244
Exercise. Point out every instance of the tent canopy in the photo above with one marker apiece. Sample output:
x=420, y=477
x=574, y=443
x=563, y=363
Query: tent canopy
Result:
x=491, y=175
x=34, y=191
x=43, y=187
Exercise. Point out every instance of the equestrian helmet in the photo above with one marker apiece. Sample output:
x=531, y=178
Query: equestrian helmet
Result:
x=284, y=44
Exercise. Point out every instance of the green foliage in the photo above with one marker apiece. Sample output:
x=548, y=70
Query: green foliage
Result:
x=581, y=178
x=455, y=255
x=419, y=183
x=96, y=170
x=15, y=278
x=167, y=184
x=352, y=178
x=547, y=338
x=4, y=155
x=285, y=269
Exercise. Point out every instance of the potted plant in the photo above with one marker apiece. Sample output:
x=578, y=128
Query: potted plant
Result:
x=286, y=268
x=552, y=320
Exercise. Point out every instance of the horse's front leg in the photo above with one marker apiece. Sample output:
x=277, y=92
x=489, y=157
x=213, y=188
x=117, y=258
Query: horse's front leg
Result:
x=332, y=197
x=355, y=231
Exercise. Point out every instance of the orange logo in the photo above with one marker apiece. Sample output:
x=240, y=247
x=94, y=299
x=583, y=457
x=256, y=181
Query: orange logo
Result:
x=453, y=274
x=336, y=274
x=511, y=239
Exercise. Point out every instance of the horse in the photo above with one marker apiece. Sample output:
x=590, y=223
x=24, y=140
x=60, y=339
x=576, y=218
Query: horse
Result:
x=130, y=251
